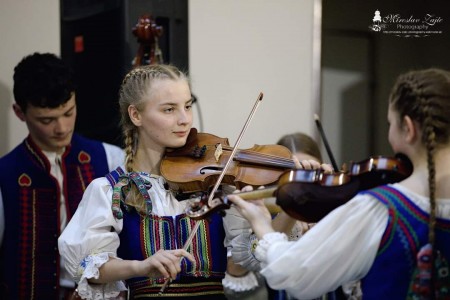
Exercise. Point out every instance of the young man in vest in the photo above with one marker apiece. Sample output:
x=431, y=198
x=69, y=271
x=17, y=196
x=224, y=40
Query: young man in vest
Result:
x=43, y=179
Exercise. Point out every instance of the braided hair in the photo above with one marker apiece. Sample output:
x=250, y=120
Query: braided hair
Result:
x=135, y=90
x=424, y=96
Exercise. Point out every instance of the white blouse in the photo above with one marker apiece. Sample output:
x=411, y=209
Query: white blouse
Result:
x=92, y=235
x=339, y=249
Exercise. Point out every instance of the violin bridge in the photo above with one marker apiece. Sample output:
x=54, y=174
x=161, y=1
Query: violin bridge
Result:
x=218, y=152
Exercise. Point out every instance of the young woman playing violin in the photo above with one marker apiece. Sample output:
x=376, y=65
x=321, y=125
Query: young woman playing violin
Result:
x=394, y=237
x=129, y=226
x=129, y=231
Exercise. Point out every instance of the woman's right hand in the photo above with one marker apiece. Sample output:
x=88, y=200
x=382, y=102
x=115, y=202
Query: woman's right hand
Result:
x=164, y=263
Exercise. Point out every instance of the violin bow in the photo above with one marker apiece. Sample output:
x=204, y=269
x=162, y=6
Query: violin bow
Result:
x=325, y=141
x=218, y=182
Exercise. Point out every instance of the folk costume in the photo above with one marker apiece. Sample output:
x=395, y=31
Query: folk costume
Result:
x=114, y=229
x=40, y=191
x=386, y=225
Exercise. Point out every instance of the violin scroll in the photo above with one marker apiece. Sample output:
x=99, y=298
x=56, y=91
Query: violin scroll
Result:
x=147, y=33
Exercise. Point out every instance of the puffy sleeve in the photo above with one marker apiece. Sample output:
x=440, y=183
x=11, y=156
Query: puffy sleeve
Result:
x=234, y=225
x=337, y=250
x=90, y=239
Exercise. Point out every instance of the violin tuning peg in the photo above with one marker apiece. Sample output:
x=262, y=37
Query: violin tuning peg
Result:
x=197, y=152
x=202, y=151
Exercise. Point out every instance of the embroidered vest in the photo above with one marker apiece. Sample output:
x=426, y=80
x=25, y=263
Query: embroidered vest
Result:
x=406, y=232
x=29, y=259
x=143, y=235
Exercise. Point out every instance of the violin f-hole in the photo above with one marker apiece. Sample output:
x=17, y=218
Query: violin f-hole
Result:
x=210, y=169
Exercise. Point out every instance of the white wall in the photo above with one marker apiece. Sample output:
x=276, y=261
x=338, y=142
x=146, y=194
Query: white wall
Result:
x=26, y=26
x=238, y=49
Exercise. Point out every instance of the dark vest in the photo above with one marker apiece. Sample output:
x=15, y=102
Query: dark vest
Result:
x=29, y=259
x=406, y=232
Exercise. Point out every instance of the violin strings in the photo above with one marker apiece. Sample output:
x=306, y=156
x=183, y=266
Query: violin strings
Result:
x=265, y=158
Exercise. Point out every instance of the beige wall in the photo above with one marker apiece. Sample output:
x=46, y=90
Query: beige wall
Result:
x=236, y=50
x=240, y=48
x=26, y=26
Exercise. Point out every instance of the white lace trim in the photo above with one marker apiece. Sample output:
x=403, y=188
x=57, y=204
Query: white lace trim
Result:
x=240, y=284
x=89, y=268
x=264, y=244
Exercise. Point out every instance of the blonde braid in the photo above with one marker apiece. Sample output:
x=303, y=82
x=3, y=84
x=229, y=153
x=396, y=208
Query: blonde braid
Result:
x=129, y=151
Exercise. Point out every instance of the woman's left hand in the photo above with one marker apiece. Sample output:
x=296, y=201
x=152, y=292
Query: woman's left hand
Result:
x=310, y=164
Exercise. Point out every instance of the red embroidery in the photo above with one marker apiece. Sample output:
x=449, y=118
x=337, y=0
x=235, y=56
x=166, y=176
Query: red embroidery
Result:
x=84, y=158
x=24, y=180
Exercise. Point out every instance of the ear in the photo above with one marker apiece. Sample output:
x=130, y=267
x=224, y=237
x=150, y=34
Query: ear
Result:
x=410, y=129
x=19, y=112
x=135, y=115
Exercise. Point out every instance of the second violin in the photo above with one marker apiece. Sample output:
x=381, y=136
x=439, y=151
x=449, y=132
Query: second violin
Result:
x=310, y=201
x=309, y=195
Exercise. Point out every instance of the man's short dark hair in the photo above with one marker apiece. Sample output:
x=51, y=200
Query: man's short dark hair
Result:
x=42, y=80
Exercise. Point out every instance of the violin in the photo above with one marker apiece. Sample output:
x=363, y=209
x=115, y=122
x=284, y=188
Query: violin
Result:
x=309, y=195
x=196, y=166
